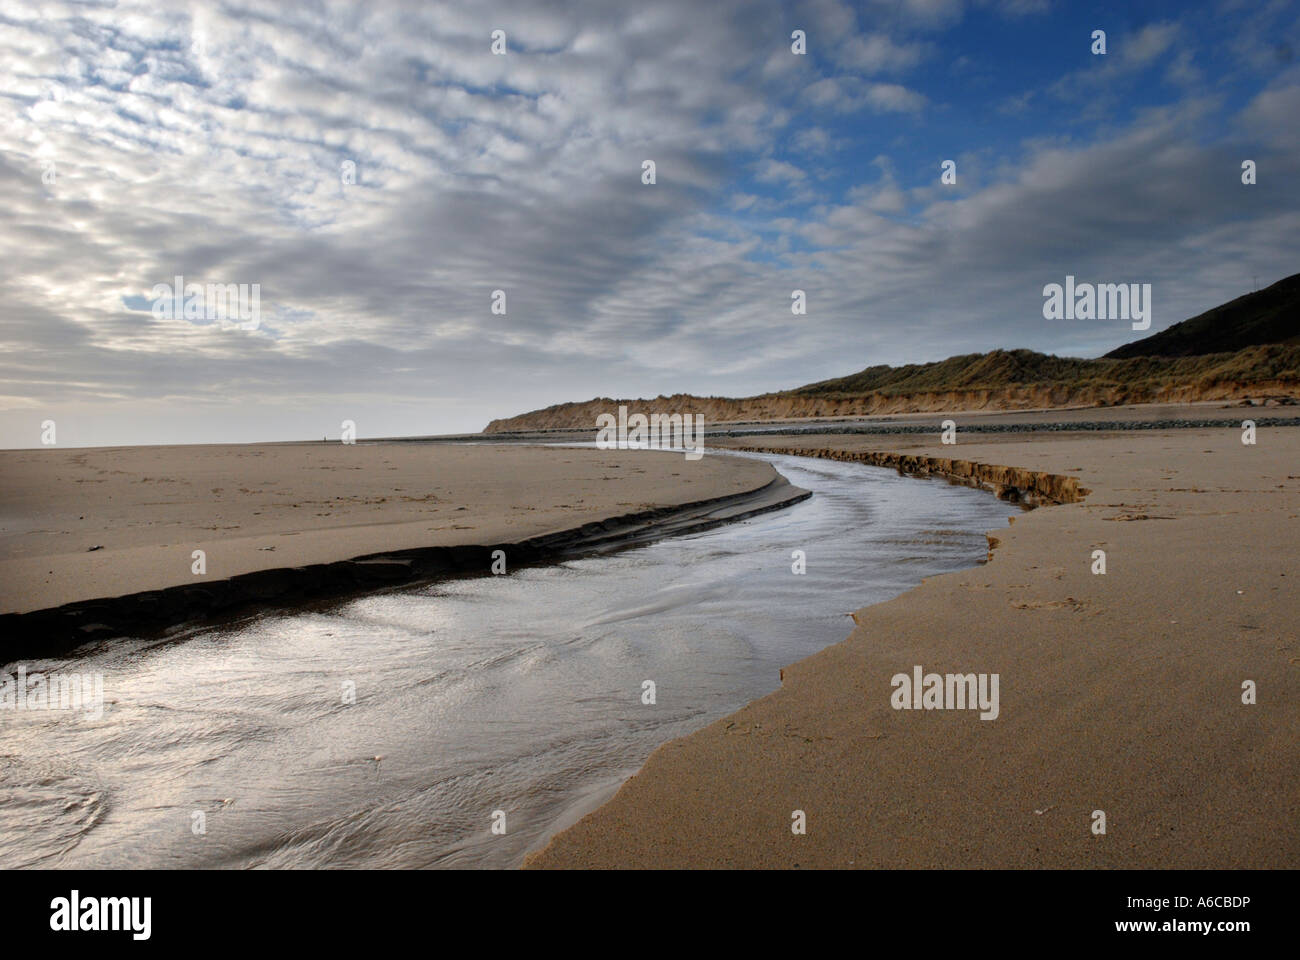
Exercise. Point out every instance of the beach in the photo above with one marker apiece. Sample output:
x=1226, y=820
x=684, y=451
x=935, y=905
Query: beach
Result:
x=670, y=436
x=1121, y=694
x=383, y=728
x=85, y=525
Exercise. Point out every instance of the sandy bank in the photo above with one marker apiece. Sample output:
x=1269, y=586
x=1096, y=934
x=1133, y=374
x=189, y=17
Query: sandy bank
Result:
x=1273, y=378
x=1119, y=692
x=307, y=512
x=1054, y=418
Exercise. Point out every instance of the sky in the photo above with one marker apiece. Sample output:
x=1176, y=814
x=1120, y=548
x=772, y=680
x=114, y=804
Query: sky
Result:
x=378, y=171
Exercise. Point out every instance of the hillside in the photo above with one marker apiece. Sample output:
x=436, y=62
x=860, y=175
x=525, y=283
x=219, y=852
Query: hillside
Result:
x=1248, y=347
x=1002, y=380
x=1271, y=315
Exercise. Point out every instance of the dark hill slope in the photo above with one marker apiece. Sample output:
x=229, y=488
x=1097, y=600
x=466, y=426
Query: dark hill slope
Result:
x=1271, y=315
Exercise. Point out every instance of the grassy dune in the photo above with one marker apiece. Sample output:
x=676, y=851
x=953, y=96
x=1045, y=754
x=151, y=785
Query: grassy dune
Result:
x=1248, y=347
x=1001, y=380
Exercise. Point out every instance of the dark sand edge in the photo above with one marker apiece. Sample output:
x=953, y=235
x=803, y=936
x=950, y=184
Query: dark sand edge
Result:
x=57, y=630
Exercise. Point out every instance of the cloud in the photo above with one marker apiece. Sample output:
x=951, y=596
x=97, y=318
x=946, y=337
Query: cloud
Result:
x=1023, y=8
x=1147, y=44
x=927, y=13
x=894, y=97
x=1126, y=56
x=775, y=171
x=849, y=95
x=1017, y=103
x=878, y=53
x=138, y=143
x=813, y=140
x=1270, y=117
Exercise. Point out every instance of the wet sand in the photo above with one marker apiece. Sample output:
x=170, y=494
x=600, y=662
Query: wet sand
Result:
x=1119, y=693
x=260, y=507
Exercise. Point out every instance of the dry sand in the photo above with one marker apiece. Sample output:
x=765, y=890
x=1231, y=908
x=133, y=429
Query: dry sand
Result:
x=1120, y=693
x=264, y=506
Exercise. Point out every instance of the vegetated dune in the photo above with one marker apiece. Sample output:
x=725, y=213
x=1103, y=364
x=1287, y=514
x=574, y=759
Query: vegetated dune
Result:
x=1248, y=347
x=1000, y=380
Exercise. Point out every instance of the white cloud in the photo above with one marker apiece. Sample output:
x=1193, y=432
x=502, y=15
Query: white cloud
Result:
x=776, y=171
x=878, y=53
x=522, y=173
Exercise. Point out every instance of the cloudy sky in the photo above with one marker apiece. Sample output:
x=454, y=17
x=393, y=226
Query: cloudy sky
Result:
x=139, y=142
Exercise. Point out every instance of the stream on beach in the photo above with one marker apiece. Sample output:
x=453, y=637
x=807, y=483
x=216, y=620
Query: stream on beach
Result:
x=236, y=747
